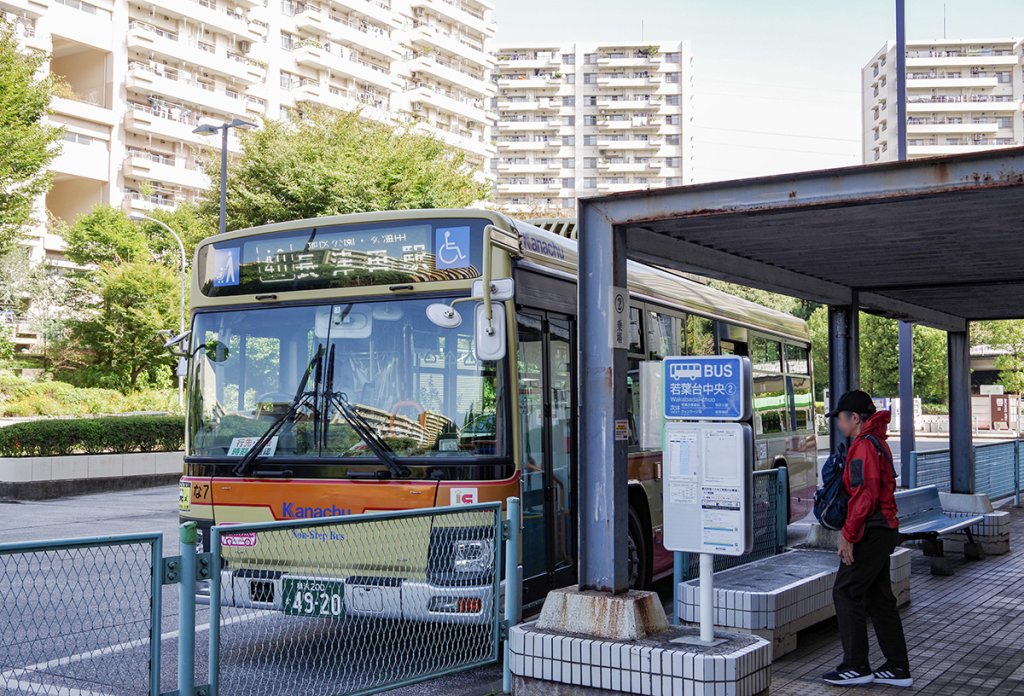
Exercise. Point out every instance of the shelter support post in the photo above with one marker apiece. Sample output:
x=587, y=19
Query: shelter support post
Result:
x=603, y=500
x=961, y=451
x=843, y=357
x=907, y=444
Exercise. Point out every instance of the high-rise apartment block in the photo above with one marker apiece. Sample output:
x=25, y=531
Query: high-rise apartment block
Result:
x=585, y=119
x=962, y=96
x=139, y=75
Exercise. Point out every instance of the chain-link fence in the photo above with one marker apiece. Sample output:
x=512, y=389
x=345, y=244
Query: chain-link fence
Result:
x=353, y=605
x=770, y=511
x=81, y=616
x=996, y=469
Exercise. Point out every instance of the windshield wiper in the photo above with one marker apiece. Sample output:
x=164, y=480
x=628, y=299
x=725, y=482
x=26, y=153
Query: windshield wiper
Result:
x=302, y=398
x=358, y=423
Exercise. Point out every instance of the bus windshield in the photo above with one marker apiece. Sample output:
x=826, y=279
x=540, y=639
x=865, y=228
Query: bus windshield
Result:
x=419, y=388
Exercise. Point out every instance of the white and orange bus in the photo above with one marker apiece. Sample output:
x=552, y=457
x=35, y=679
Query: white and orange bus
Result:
x=413, y=359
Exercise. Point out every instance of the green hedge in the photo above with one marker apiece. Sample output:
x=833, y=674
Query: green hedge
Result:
x=20, y=398
x=44, y=438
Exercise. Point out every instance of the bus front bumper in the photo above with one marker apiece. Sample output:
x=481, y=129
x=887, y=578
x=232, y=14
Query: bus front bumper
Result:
x=382, y=598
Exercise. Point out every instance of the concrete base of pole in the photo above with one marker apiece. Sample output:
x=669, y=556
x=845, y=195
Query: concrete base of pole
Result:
x=596, y=643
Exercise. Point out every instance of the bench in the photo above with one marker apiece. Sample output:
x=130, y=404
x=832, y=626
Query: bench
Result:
x=777, y=597
x=922, y=519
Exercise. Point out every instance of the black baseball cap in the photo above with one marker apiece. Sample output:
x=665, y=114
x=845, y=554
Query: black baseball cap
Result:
x=855, y=401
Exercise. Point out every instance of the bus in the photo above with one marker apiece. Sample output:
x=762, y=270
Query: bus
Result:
x=422, y=358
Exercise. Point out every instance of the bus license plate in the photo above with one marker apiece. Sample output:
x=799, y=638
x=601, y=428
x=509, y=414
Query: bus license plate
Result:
x=313, y=597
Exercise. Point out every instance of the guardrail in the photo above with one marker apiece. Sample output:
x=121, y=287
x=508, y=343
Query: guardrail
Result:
x=997, y=470
x=770, y=524
x=68, y=605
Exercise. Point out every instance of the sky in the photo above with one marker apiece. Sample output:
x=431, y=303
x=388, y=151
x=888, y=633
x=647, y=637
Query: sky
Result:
x=776, y=82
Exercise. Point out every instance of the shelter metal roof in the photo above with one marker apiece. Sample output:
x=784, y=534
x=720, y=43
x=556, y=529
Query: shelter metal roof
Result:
x=937, y=241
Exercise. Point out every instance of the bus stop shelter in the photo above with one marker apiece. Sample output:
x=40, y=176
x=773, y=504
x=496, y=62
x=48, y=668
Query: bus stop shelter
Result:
x=935, y=242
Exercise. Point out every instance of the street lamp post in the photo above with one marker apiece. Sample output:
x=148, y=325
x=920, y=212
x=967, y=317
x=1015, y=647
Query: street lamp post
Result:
x=181, y=301
x=223, y=128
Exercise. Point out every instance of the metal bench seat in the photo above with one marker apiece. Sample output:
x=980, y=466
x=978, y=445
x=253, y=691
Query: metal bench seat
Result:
x=922, y=518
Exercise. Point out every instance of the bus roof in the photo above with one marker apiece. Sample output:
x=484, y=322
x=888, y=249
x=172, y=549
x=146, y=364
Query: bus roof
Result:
x=559, y=251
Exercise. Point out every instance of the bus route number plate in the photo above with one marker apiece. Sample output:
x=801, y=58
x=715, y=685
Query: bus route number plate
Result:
x=313, y=597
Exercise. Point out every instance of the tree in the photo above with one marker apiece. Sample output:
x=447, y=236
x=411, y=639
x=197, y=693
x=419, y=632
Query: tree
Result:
x=27, y=144
x=1008, y=335
x=765, y=298
x=330, y=163
x=191, y=225
x=879, y=357
x=105, y=235
x=131, y=302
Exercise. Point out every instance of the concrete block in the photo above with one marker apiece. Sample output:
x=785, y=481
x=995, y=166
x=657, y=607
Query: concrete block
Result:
x=168, y=462
x=628, y=616
x=105, y=465
x=16, y=469
x=42, y=469
x=977, y=503
x=73, y=466
x=138, y=463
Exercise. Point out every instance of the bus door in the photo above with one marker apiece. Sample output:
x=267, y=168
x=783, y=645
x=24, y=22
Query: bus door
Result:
x=548, y=462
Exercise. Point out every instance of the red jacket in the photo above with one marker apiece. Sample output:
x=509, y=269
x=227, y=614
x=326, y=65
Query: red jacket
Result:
x=870, y=481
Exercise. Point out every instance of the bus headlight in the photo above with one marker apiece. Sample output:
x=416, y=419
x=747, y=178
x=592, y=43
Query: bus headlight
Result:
x=475, y=556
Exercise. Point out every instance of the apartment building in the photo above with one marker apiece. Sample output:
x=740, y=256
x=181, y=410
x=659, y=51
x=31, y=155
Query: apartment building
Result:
x=962, y=96
x=139, y=75
x=582, y=119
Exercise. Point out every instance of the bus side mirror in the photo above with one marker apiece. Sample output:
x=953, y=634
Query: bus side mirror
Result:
x=489, y=338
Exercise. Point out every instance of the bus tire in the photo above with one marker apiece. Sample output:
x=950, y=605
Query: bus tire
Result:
x=638, y=559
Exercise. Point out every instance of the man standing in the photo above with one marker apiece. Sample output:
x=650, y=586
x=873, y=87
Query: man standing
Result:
x=870, y=535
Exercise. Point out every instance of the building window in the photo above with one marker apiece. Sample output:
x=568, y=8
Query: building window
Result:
x=568, y=162
x=672, y=119
x=287, y=41
x=1004, y=77
x=569, y=59
x=673, y=181
x=590, y=182
x=589, y=162
x=570, y=79
x=674, y=57
x=672, y=78
x=569, y=101
x=590, y=100
x=590, y=78
x=672, y=139
x=590, y=120
x=568, y=203
x=288, y=8
x=590, y=140
x=672, y=162
x=1005, y=121
x=568, y=139
x=569, y=183
x=590, y=58
x=672, y=100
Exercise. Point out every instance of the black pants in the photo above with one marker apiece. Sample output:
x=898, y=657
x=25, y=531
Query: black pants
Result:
x=863, y=589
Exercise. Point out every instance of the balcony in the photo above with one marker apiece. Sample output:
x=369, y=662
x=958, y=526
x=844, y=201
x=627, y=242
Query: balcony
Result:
x=341, y=60
x=434, y=37
x=511, y=62
x=472, y=109
x=945, y=127
x=28, y=8
x=25, y=31
x=458, y=139
x=626, y=80
x=977, y=102
x=629, y=104
x=937, y=150
x=530, y=105
x=609, y=144
x=553, y=187
x=374, y=9
x=86, y=160
x=632, y=61
x=922, y=61
x=627, y=167
x=163, y=121
x=206, y=12
x=451, y=73
x=145, y=37
x=530, y=168
x=82, y=110
x=178, y=85
x=459, y=12
x=637, y=123
x=78, y=26
x=362, y=35
x=941, y=82
x=615, y=187
x=528, y=145
x=538, y=125
x=544, y=82
x=148, y=166
x=138, y=202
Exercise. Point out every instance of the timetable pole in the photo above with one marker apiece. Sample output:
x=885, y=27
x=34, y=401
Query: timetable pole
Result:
x=707, y=598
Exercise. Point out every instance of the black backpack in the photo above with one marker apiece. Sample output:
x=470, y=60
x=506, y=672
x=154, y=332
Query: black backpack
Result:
x=831, y=500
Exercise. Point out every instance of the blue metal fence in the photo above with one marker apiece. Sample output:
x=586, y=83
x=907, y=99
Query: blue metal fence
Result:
x=81, y=615
x=997, y=469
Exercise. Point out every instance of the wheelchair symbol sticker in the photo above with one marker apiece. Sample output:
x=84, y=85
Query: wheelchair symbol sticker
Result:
x=225, y=267
x=451, y=247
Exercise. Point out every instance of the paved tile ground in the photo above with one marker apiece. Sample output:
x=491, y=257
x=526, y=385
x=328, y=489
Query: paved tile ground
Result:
x=965, y=633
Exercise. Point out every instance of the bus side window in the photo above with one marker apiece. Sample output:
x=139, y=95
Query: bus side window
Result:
x=663, y=334
x=698, y=336
x=635, y=331
x=771, y=400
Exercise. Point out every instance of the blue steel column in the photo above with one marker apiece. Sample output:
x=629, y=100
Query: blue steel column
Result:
x=843, y=358
x=961, y=451
x=602, y=400
x=907, y=437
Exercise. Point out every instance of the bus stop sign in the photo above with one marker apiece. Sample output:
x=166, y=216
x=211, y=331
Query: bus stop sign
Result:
x=712, y=387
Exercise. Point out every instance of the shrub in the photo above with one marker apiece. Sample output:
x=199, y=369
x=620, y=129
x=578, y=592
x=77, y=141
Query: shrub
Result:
x=20, y=398
x=116, y=434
